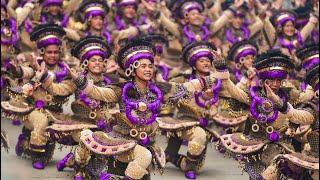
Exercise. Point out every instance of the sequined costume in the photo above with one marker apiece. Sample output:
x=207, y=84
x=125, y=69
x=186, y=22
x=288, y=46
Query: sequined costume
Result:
x=264, y=135
x=42, y=97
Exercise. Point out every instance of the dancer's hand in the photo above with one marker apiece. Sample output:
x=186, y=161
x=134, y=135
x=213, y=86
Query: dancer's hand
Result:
x=41, y=71
x=73, y=72
x=262, y=8
x=238, y=3
x=32, y=61
x=207, y=94
x=112, y=66
x=251, y=73
x=148, y=6
x=27, y=89
x=219, y=62
x=272, y=96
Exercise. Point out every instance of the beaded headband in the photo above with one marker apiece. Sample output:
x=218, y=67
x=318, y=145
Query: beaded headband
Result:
x=283, y=18
x=198, y=52
x=94, y=9
x=188, y=6
x=245, y=51
x=122, y=3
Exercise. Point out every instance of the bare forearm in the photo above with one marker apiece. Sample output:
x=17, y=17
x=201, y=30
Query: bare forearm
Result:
x=221, y=22
x=24, y=12
x=100, y=93
x=169, y=25
x=270, y=31
x=256, y=26
x=307, y=29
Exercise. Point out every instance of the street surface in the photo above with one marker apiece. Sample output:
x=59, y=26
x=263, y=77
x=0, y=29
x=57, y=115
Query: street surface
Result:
x=216, y=166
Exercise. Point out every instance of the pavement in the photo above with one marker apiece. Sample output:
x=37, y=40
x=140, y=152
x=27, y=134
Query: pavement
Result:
x=217, y=167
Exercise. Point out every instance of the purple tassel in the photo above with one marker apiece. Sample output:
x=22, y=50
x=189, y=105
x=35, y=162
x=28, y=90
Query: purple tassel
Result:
x=39, y=104
x=165, y=71
x=101, y=124
x=192, y=37
x=28, y=25
x=145, y=141
x=289, y=45
x=203, y=122
x=92, y=104
x=120, y=25
x=65, y=20
x=2, y=82
x=14, y=32
x=60, y=75
x=16, y=122
x=106, y=80
x=231, y=39
x=238, y=74
x=274, y=136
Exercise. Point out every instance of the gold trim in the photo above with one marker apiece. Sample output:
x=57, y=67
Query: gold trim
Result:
x=143, y=135
x=244, y=48
x=47, y=37
x=187, y=5
x=282, y=16
x=92, y=115
x=127, y=1
x=94, y=8
x=198, y=50
x=270, y=129
x=134, y=133
x=311, y=57
x=136, y=52
x=273, y=68
x=91, y=48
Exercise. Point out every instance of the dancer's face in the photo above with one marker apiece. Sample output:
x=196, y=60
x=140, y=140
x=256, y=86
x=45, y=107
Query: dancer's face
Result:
x=129, y=12
x=203, y=65
x=54, y=10
x=96, y=22
x=6, y=33
x=274, y=84
x=96, y=64
x=237, y=22
x=288, y=29
x=4, y=14
x=195, y=18
x=51, y=55
x=248, y=61
x=145, y=71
